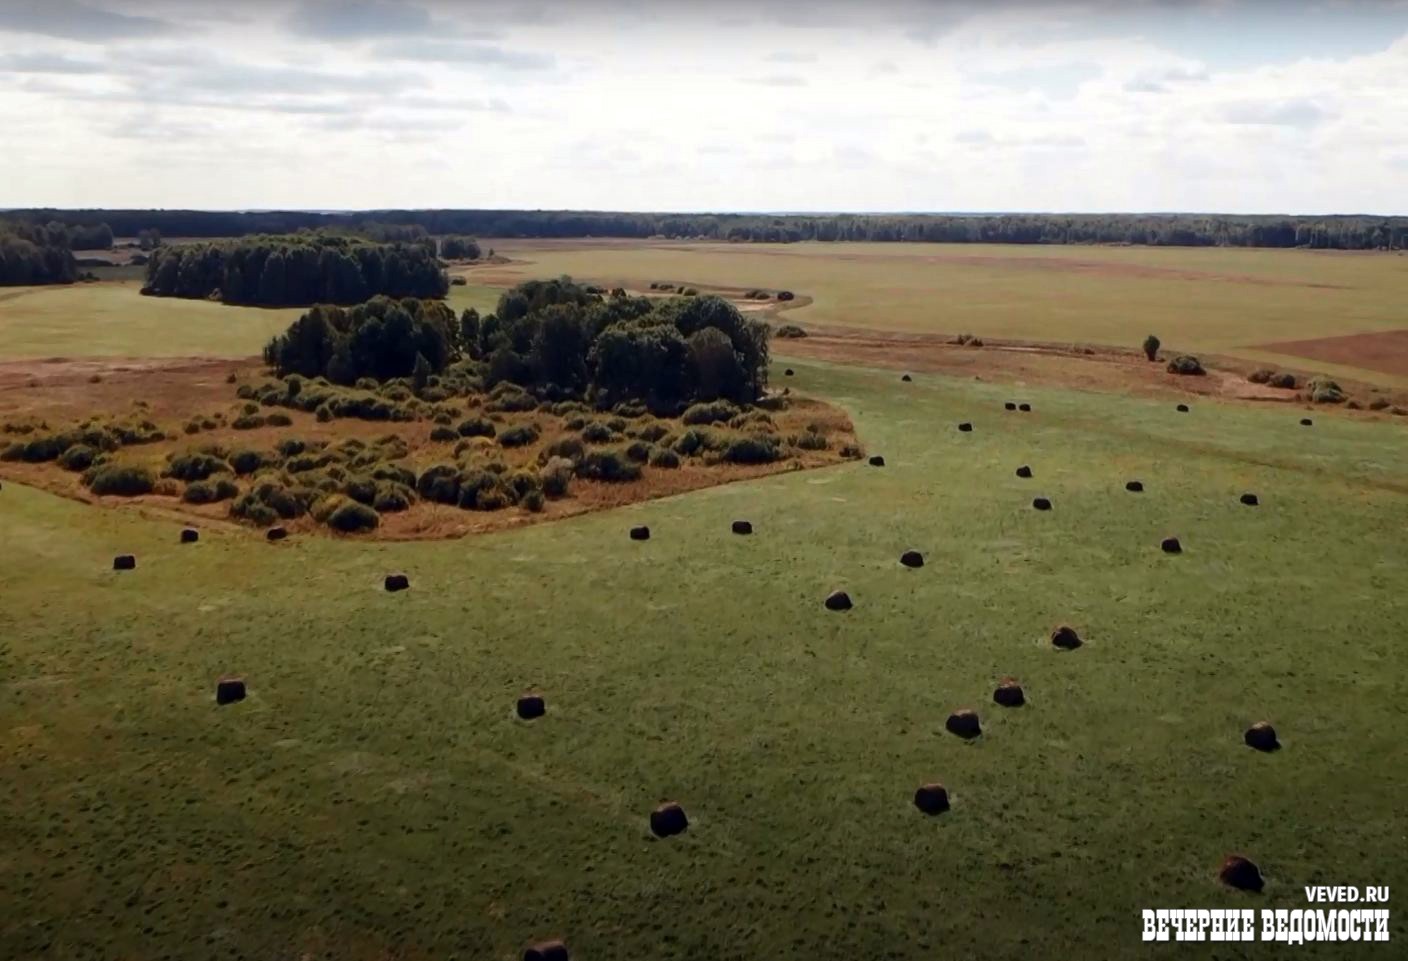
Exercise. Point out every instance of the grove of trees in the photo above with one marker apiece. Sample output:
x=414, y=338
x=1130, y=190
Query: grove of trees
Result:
x=1352, y=232
x=459, y=248
x=26, y=262
x=554, y=338
x=295, y=270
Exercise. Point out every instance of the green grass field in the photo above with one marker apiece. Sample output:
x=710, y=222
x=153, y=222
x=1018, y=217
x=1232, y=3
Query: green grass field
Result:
x=375, y=797
x=1223, y=300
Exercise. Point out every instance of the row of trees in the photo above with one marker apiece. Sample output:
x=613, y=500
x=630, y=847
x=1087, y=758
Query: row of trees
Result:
x=295, y=270
x=552, y=337
x=23, y=262
x=1356, y=232
x=56, y=233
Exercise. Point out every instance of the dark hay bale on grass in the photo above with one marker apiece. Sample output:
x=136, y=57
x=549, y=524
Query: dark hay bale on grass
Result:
x=1065, y=638
x=742, y=527
x=912, y=559
x=1009, y=406
x=641, y=533
x=228, y=690
x=531, y=706
x=965, y=427
x=275, y=534
x=397, y=582
x=1262, y=736
x=667, y=820
x=1134, y=487
x=546, y=951
x=1024, y=471
x=1170, y=545
x=1041, y=504
x=877, y=461
x=1306, y=422
x=124, y=562
x=964, y=723
x=788, y=372
x=1182, y=408
x=931, y=798
x=1240, y=873
x=190, y=535
x=838, y=601
x=1009, y=693
x=1250, y=499
x=907, y=379
x=1025, y=408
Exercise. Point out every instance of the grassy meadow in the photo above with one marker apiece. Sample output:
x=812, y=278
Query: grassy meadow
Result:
x=375, y=796
x=1211, y=299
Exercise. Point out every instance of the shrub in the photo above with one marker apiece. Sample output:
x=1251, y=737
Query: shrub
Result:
x=715, y=411
x=1323, y=390
x=533, y=501
x=639, y=451
x=119, y=480
x=563, y=408
x=391, y=497
x=597, y=433
x=479, y=490
x=629, y=409
x=608, y=465
x=510, y=398
x=521, y=482
x=1261, y=376
x=810, y=440
x=652, y=432
x=1379, y=403
x=852, y=451
x=440, y=484
x=195, y=466
x=269, y=500
x=617, y=424
x=690, y=442
x=444, y=435
x=79, y=457
x=245, y=391
x=665, y=458
x=192, y=427
x=575, y=422
x=565, y=447
x=210, y=491
x=1283, y=381
x=753, y=449
x=785, y=295
x=477, y=427
x=556, y=476
x=1186, y=365
x=790, y=332
x=278, y=419
x=519, y=436
x=1151, y=348
x=352, y=517
x=38, y=450
x=247, y=422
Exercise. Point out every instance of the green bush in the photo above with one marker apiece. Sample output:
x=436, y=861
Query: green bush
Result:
x=652, y=432
x=79, y=457
x=556, y=476
x=479, y=489
x=391, y=497
x=608, y=465
x=712, y=412
x=665, y=458
x=753, y=449
x=852, y=451
x=278, y=419
x=1186, y=365
x=440, y=484
x=691, y=442
x=790, y=332
x=119, y=480
x=597, y=433
x=1151, y=348
x=247, y=422
x=194, y=466
x=810, y=440
x=1283, y=381
x=1262, y=375
x=444, y=435
x=39, y=449
x=575, y=422
x=353, y=517
x=532, y=501
x=519, y=436
x=477, y=427
x=1323, y=390
x=245, y=392
x=522, y=482
x=271, y=499
x=246, y=461
x=510, y=398
x=210, y=491
x=569, y=447
x=639, y=451
x=629, y=409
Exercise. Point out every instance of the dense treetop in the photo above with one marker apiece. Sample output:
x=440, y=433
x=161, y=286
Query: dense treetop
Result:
x=295, y=270
x=1234, y=230
x=42, y=253
x=555, y=338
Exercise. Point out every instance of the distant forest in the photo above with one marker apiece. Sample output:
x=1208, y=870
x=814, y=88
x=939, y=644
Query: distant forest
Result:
x=280, y=271
x=32, y=252
x=1356, y=232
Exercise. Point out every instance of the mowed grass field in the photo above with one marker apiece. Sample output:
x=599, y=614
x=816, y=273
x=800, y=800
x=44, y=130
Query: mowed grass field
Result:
x=113, y=319
x=375, y=796
x=1222, y=300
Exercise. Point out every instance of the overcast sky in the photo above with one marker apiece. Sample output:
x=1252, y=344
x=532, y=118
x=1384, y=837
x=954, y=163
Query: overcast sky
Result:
x=1228, y=105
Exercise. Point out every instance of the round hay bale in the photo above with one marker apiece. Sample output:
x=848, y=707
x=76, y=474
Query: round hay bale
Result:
x=546, y=951
x=1136, y=487
x=1262, y=736
x=229, y=689
x=1306, y=422
x=124, y=562
x=906, y=378
x=838, y=601
x=1009, y=406
x=966, y=427
x=1250, y=499
x=1240, y=873
x=1065, y=638
x=1182, y=408
x=1041, y=504
x=641, y=533
x=275, y=534
x=667, y=820
x=397, y=582
x=1170, y=545
x=1025, y=408
x=964, y=723
x=877, y=461
x=912, y=559
x=788, y=372
x=931, y=798
x=531, y=706
x=189, y=535
x=1024, y=471
x=1009, y=693
x=742, y=527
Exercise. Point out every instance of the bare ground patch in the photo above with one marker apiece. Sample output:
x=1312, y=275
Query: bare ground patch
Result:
x=1386, y=352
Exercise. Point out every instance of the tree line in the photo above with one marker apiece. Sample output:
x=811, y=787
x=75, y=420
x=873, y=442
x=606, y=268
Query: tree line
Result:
x=33, y=252
x=271, y=271
x=1348, y=232
x=555, y=338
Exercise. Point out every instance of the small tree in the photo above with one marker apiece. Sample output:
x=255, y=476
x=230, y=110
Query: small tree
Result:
x=1151, y=347
x=420, y=374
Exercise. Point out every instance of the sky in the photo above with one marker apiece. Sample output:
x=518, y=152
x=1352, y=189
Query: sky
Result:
x=1238, y=106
